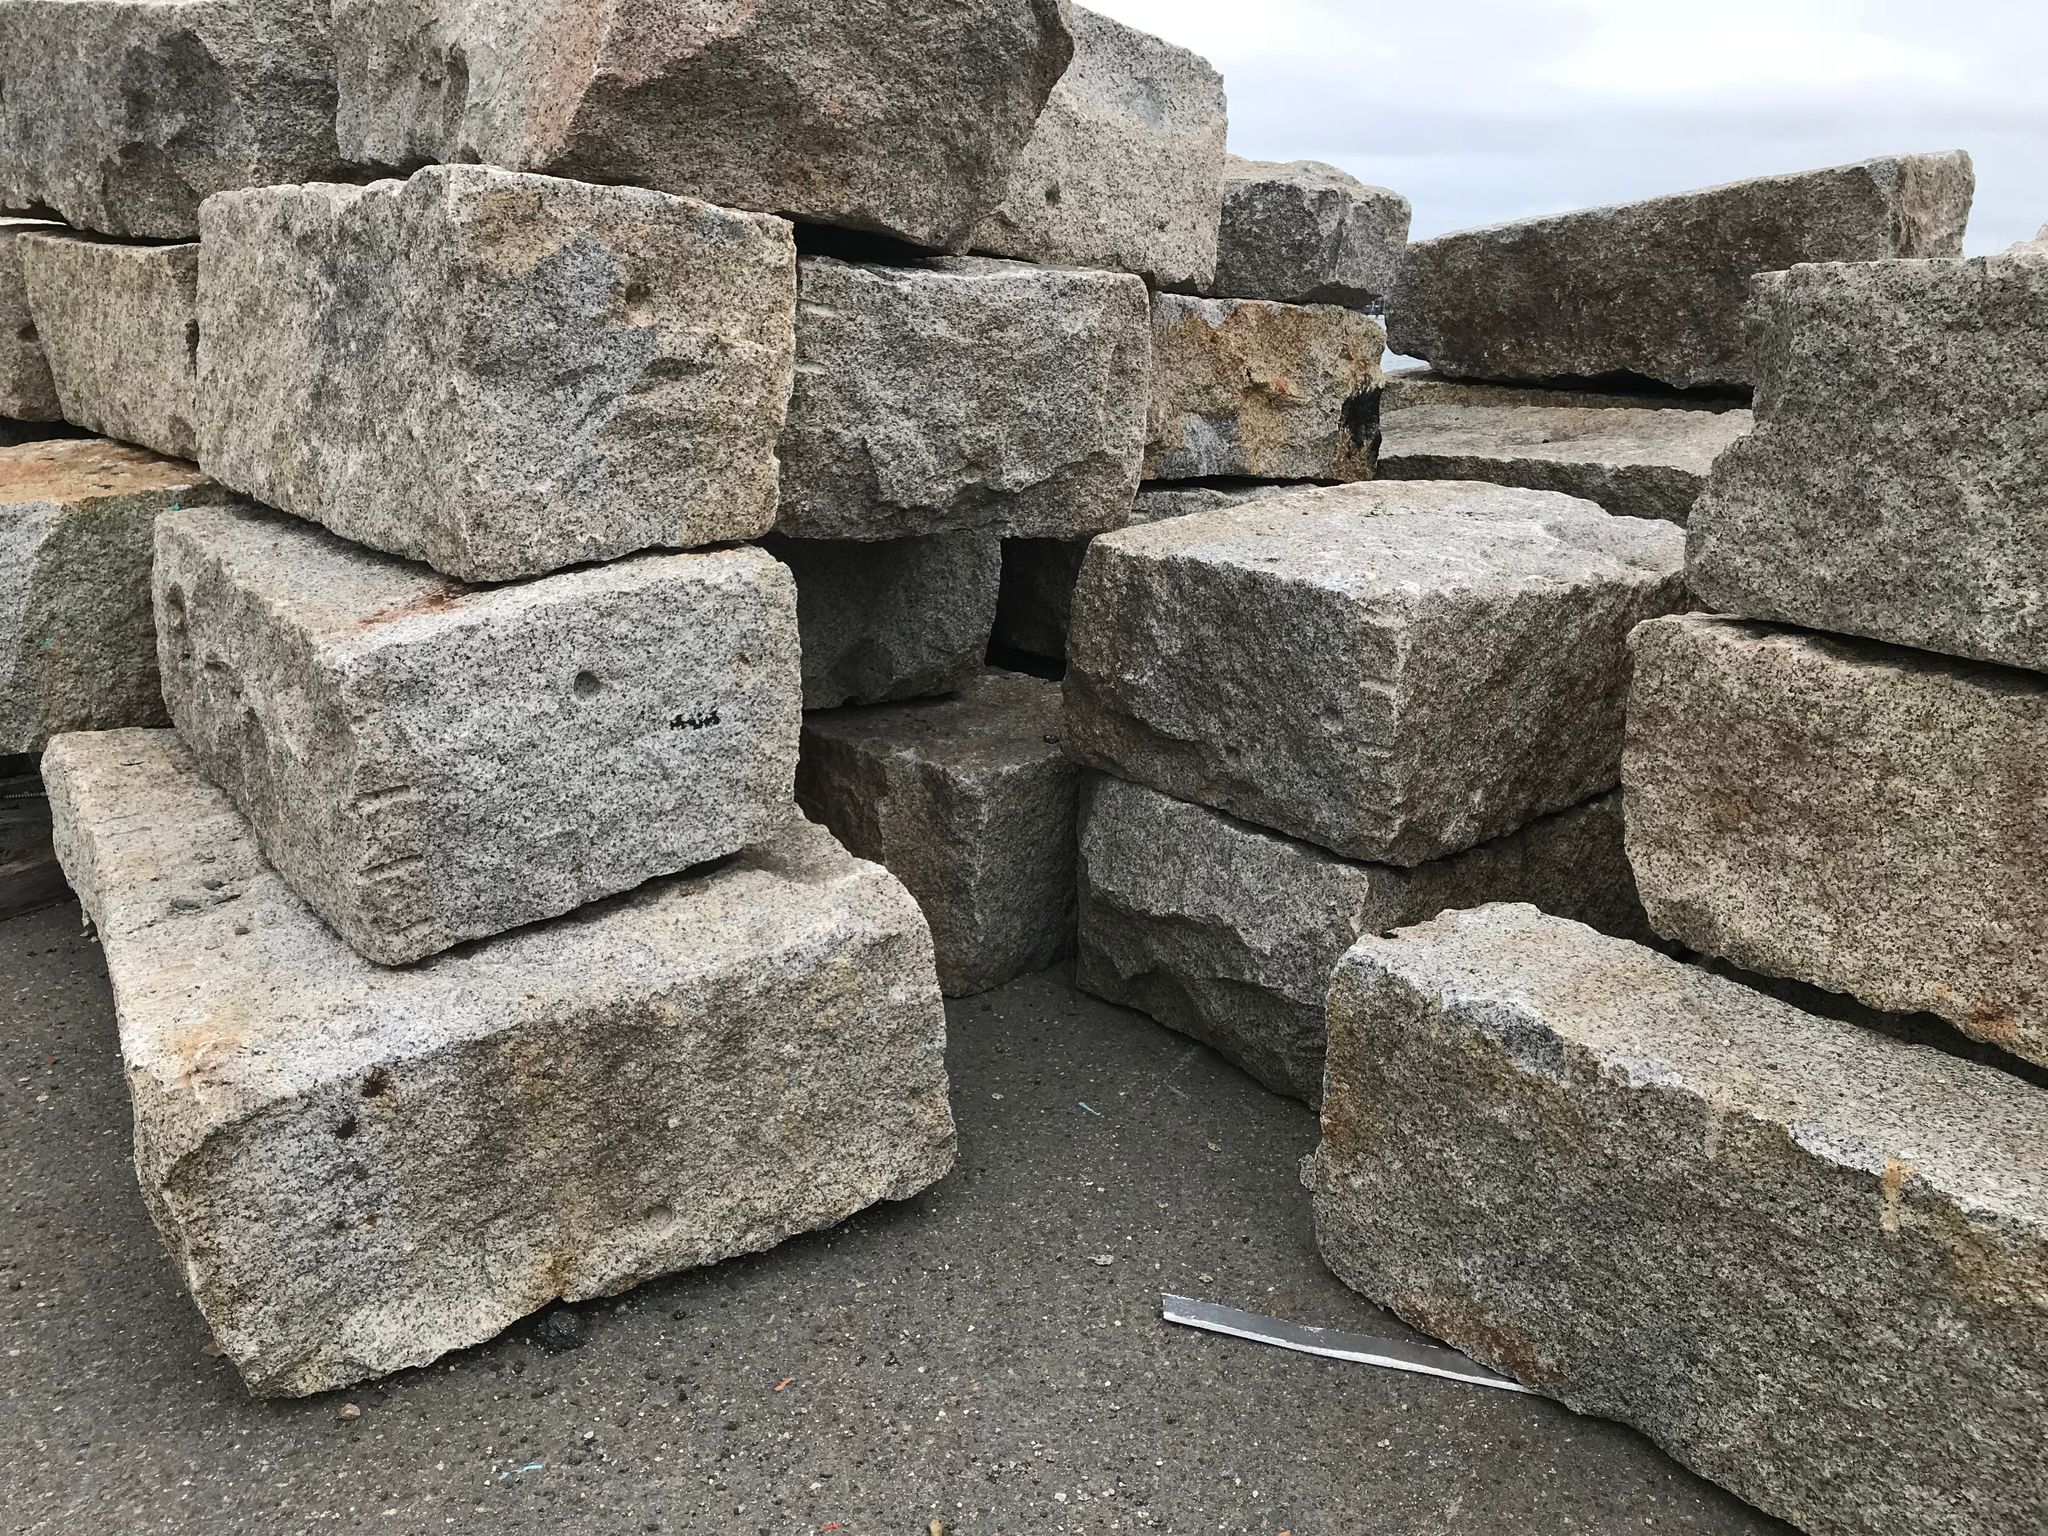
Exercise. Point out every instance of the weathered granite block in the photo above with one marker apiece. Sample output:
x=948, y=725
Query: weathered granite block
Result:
x=1394, y=671
x=497, y=374
x=122, y=115
x=1242, y=388
x=904, y=119
x=1125, y=167
x=119, y=326
x=1656, y=289
x=1895, y=486
x=961, y=393
x=77, y=644
x=1864, y=818
x=1228, y=933
x=27, y=392
x=426, y=763
x=1417, y=385
x=1809, y=1261
x=357, y=1170
x=1304, y=232
x=970, y=803
x=892, y=618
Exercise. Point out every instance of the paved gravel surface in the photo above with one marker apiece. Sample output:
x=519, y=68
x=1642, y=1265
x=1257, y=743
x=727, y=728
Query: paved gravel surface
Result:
x=988, y=1356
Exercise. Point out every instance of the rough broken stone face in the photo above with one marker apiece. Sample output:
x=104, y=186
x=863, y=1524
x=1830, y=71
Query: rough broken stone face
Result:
x=891, y=619
x=358, y=1170
x=500, y=375
x=1229, y=933
x=970, y=803
x=77, y=644
x=1661, y=1197
x=963, y=394
x=1302, y=232
x=1657, y=289
x=1857, y=816
x=120, y=327
x=1895, y=486
x=122, y=115
x=425, y=763
x=1125, y=167
x=1394, y=671
x=1246, y=389
x=902, y=118
x=27, y=392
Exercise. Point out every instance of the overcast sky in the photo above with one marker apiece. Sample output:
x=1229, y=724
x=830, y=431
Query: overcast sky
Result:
x=1481, y=110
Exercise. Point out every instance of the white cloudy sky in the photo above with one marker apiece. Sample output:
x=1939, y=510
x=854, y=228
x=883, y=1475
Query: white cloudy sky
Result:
x=1482, y=110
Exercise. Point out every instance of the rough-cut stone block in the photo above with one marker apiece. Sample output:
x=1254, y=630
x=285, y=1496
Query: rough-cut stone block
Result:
x=1657, y=289
x=122, y=115
x=961, y=393
x=1395, y=671
x=1125, y=167
x=1809, y=1261
x=1242, y=388
x=497, y=374
x=426, y=763
x=77, y=645
x=1895, y=486
x=357, y=1170
x=1410, y=386
x=1302, y=232
x=27, y=392
x=1228, y=933
x=1868, y=819
x=120, y=328
x=970, y=803
x=1634, y=461
x=904, y=119
x=894, y=618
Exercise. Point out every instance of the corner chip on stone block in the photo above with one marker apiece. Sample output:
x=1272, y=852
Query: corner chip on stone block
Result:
x=1307, y=233
x=27, y=392
x=357, y=1170
x=497, y=374
x=1661, y=1197
x=425, y=763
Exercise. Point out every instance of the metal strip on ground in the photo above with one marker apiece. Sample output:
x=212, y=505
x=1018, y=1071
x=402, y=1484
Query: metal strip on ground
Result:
x=1423, y=1360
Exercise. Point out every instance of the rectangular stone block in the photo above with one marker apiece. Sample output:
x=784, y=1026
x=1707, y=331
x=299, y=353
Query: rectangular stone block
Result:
x=970, y=803
x=1307, y=233
x=1809, y=1261
x=119, y=326
x=1246, y=389
x=27, y=392
x=1656, y=289
x=357, y=1170
x=500, y=375
x=1864, y=818
x=1394, y=671
x=903, y=119
x=77, y=525
x=1895, y=486
x=1125, y=167
x=123, y=115
x=1228, y=933
x=426, y=763
x=893, y=618
x=963, y=394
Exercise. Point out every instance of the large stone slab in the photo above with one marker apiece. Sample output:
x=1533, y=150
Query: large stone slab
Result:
x=27, y=393
x=970, y=803
x=1898, y=431
x=1808, y=1260
x=894, y=618
x=1125, y=167
x=357, y=1170
x=1228, y=933
x=123, y=115
x=1394, y=671
x=1656, y=289
x=961, y=393
x=1302, y=232
x=119, y=325
x=1258, y=391
x=1864, y=818
x=426, y=763
x=497, y=374
x=77, y=644
x=903, y=119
